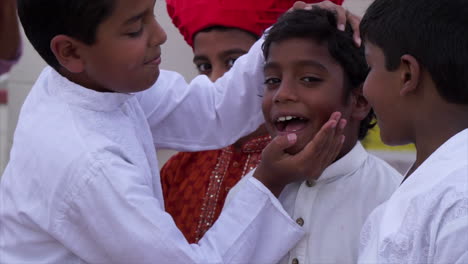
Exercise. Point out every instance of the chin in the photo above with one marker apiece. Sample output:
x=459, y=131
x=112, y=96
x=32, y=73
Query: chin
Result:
x=150, y=82
x=296, y=148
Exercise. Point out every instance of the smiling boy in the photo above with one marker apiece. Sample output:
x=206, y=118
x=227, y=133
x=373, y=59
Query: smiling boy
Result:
x=312, y=69
x=82, y=184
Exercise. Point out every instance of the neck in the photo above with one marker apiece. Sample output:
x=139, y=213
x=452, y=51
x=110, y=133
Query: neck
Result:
x=430, y=133
x=82, y=80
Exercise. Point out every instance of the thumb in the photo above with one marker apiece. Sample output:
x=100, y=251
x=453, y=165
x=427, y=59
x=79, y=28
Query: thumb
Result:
x=280, y=143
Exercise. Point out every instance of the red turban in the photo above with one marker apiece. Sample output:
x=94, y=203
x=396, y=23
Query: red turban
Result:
x=191, y=16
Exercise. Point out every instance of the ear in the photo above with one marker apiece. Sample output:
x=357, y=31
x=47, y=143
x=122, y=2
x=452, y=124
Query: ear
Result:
x=360, y=107
x=410, y=74
x=66, y=51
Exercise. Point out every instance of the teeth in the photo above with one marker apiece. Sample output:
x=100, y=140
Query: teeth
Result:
x=287, y=118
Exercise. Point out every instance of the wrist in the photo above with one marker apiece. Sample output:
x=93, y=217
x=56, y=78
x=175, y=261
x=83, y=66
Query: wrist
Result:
x=268, y=181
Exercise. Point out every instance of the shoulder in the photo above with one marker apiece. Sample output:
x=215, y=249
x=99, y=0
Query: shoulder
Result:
x=382, y=171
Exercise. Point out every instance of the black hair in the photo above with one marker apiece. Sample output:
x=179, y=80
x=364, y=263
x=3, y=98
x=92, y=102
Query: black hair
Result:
x=224, y=29
x=42, y=20
x=434, y=32
x=320, y=25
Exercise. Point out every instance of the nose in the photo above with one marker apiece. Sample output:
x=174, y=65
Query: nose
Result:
x=286, y=92
x=157, y=34
x=216, y=72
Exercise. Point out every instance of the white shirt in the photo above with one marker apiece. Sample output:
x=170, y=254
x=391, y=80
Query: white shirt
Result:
x=82, y=184
x=333, y=209
x=426, y=219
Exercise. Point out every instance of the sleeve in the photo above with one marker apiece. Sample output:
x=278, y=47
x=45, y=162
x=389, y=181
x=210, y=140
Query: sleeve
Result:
x=204, y=115
x=113, y=217
x=452, y=238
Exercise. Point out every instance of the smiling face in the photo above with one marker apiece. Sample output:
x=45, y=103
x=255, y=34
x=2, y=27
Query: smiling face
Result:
x=126, y=55
x=304, y=86
x=215, y=51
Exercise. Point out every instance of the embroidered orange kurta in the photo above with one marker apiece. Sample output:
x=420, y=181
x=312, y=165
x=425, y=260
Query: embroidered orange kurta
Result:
x=195, y=184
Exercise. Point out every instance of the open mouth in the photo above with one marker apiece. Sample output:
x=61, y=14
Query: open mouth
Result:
x=290, y=123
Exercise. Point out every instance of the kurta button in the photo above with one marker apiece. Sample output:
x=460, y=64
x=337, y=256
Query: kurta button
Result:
x=295, y=261
x=235, y=164
x=310, y=183
x=300, y=221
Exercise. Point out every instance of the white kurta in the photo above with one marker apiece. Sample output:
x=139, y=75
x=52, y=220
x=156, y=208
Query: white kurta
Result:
x=426, y=219
x=82, y=184
x=333, y=209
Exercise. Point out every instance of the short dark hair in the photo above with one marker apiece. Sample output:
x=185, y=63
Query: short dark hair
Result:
x=320, y=25
x=42, y=20
x=434, y=32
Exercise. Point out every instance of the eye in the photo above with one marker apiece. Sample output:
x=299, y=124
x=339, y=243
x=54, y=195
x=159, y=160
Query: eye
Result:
x=230, y=62
x=272, y=82
x=135, y=34
x=310, y=79
x=204, y=68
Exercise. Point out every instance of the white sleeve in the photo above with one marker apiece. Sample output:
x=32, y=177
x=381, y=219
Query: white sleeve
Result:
x=205, y=115
x=237, y=188
x=452, y=240
x=115, y=218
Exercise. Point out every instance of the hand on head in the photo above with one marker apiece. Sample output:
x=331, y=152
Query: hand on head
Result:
x=342, y=16
x=278, y=168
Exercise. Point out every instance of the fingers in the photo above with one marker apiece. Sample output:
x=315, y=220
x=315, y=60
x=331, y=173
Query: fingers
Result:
x=342, y=16
x=298, y=5
x=338, y=141
x=354, y=21
x=319, y=147
x=277, y=146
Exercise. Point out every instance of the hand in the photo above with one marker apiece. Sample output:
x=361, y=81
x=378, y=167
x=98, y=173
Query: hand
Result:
x=278, y=168
x=342, y=16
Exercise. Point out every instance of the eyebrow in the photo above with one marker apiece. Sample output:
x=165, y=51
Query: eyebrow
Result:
x=232, y=52
x=222, y=55
x=199, y=58
x=134, y=19
x=300, y=63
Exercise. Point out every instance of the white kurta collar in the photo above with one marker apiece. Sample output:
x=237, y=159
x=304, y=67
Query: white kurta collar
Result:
x=348, y=164
x=75, y=94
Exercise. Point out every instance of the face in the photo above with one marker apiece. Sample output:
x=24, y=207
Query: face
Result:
x=381, y=89
x=304, y=86
x=216, y=51
x=127, y=53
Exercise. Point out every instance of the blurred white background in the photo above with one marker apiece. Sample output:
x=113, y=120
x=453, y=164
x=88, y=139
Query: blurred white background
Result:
x=177, y=56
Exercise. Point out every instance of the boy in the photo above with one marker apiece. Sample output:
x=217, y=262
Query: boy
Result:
x=311, y=70
x=82, y=183
x=418, y=86
x=195, y=184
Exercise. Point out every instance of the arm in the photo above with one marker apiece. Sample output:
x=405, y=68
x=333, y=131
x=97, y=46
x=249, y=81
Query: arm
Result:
x=205, y=115
x=113, y=217
x=9, y=35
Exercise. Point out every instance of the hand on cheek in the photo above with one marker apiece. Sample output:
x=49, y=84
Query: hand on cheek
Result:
x=278, y=168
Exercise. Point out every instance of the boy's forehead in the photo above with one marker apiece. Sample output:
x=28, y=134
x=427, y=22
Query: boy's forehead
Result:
x=298, y=49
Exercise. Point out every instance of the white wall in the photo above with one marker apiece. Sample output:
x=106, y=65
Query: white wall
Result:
x=177, y=55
